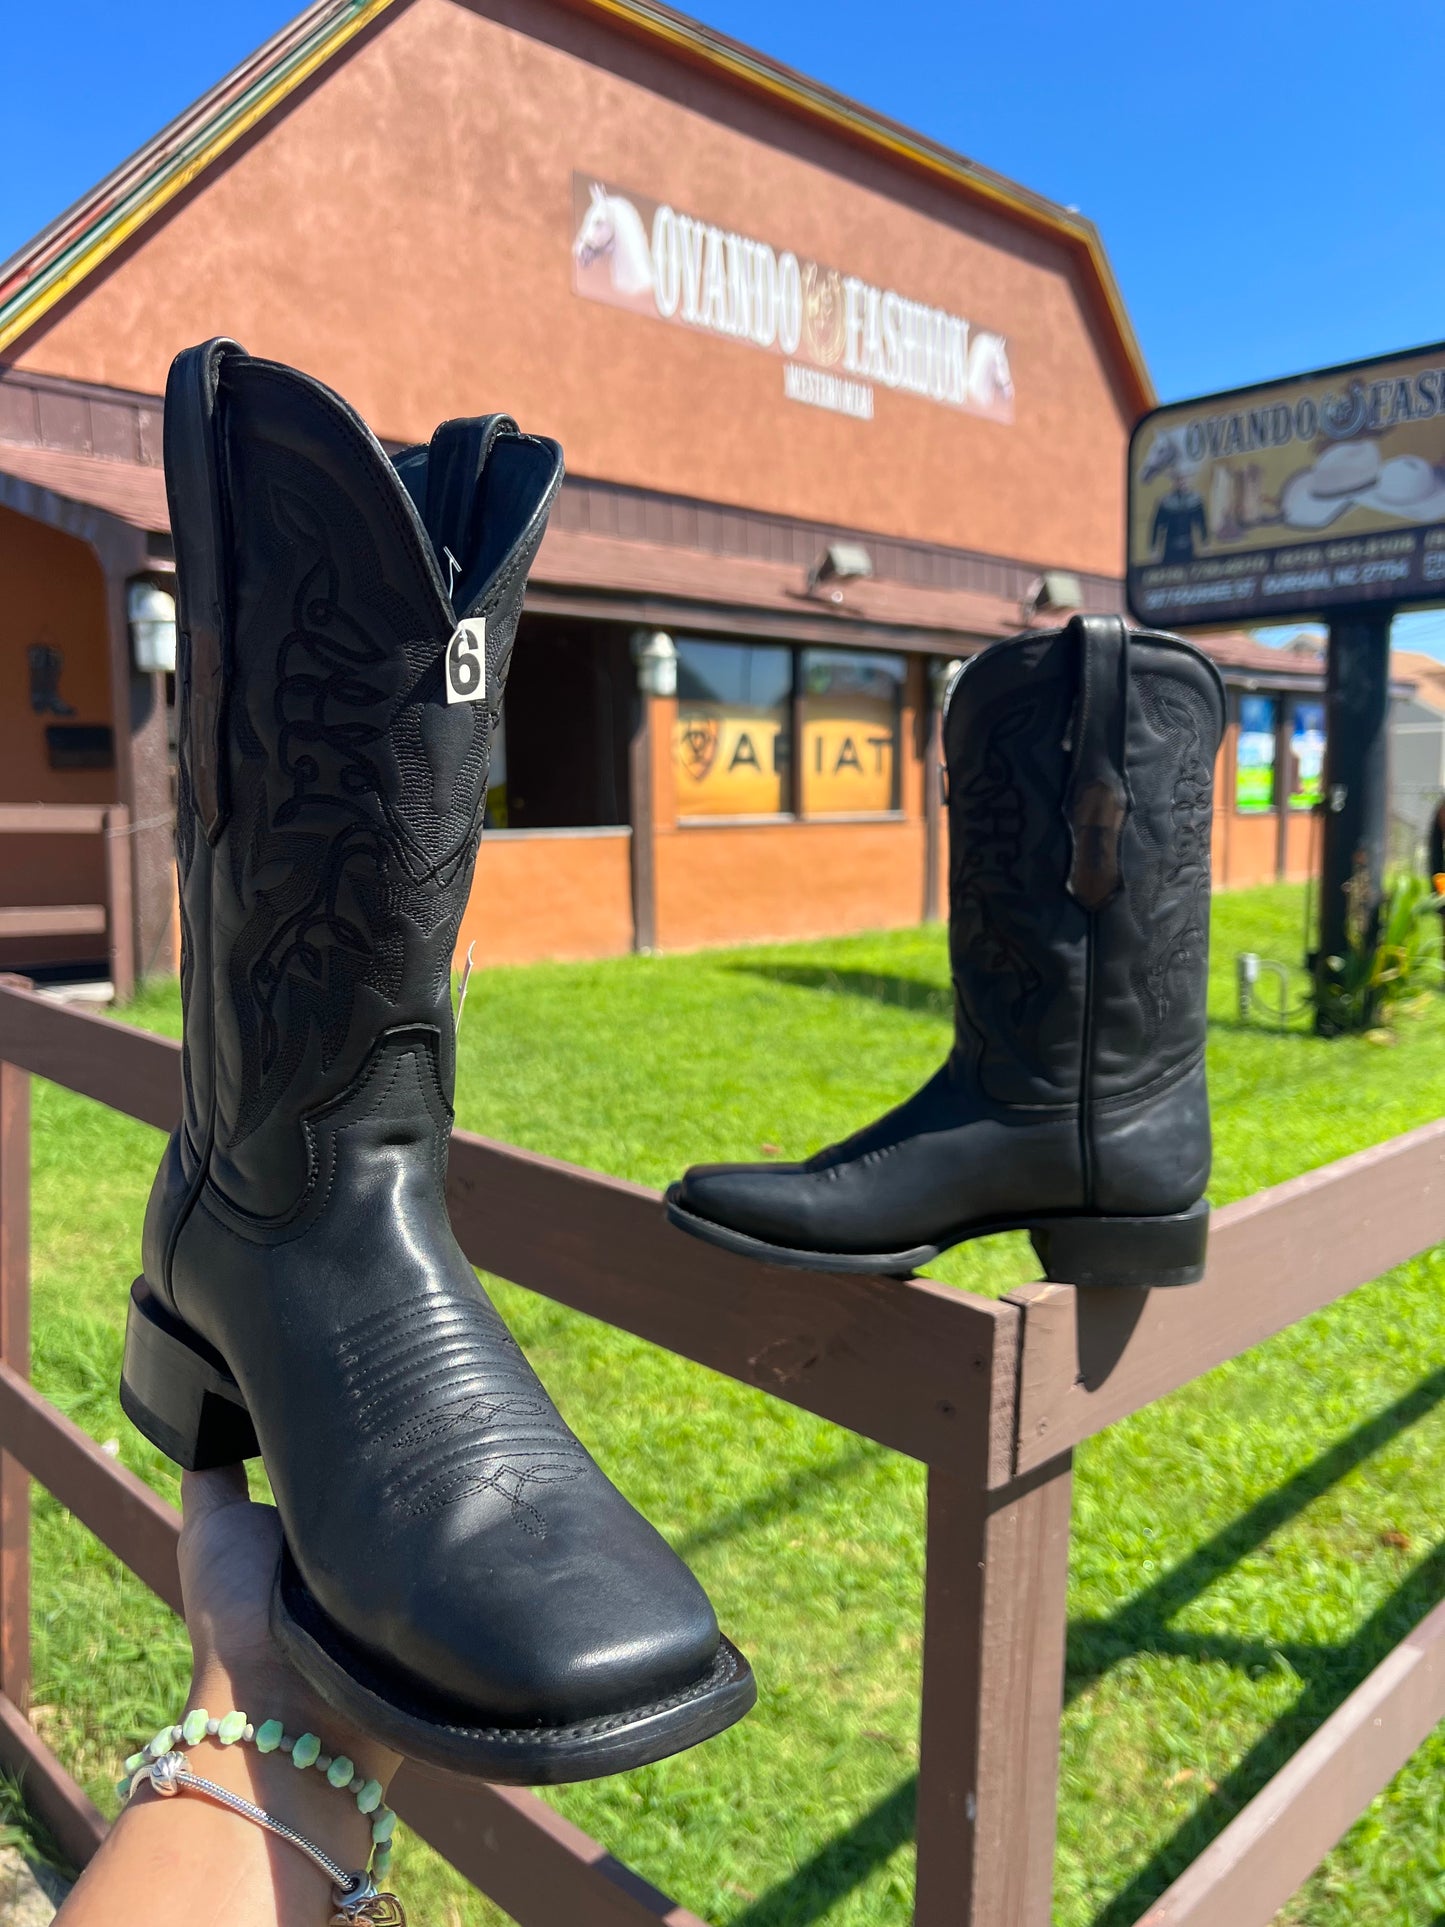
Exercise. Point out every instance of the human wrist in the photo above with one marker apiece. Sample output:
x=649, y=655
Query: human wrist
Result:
x=276, y=1693
x=266, y=1738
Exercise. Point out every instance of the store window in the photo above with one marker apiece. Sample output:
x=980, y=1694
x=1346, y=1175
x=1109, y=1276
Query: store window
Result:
x=1254, y=774
x=734, y=712
x=851, y=705
x=1306, y=753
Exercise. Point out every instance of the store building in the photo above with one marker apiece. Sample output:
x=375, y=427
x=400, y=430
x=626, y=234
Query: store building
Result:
x=839, y=407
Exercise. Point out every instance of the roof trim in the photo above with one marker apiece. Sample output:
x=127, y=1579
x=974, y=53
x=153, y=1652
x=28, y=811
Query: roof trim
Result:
x=861, y=124
x=65, y=254
x=62, y=256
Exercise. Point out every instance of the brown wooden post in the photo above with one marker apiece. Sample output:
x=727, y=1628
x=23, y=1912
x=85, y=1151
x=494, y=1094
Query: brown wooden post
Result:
x=639, y=785
x=993, y=1679
x=118, y=907
x=935, y=685
x=14, y=1352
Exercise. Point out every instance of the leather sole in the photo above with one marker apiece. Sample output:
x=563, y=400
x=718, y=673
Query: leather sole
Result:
x=179, y=1393
x=1091, y=1250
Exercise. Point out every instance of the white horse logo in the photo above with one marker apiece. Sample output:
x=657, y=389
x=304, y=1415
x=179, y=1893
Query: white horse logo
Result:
x=1166, y=453
x=990, y=381
x=612, y=228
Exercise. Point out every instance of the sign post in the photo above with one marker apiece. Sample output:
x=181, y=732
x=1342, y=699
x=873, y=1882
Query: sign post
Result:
x=1319, y=496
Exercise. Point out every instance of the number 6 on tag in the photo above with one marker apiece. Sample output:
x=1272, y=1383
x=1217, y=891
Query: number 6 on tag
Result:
x=467, y=662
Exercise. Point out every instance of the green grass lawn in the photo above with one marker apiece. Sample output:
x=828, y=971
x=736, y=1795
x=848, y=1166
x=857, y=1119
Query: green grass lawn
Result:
x=1244, y=1552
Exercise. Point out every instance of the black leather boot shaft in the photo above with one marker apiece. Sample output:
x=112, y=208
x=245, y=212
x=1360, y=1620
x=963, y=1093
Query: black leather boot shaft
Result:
x=459, y=1575
x=1080, y=778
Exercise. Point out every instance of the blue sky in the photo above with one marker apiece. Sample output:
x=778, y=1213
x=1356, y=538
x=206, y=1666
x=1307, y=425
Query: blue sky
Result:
x=1267, y=178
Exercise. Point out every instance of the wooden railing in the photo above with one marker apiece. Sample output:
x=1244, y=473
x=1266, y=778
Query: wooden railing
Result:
x=991, y=1395
x=111, y=919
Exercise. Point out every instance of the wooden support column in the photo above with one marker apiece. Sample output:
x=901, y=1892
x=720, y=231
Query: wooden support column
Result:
x=933, y=827
x=118, y=902
x=641, y=815
x=14, y=1352
x=993, y=1681
x=142, y=769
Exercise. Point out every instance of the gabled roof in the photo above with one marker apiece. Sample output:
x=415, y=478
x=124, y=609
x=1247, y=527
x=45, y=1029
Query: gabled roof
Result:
x=62, y=256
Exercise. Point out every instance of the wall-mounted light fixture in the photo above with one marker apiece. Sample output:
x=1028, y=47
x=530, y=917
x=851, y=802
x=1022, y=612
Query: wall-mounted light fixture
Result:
x=151, y=615
x=839, y=562
x=941, y=672
x=1054, y=589
x=655, y=654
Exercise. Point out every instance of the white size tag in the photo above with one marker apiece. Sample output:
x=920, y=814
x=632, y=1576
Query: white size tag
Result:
x=467, y=662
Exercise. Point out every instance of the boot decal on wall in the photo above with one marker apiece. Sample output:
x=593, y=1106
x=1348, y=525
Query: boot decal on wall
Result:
x=458, y=1577
x=1073, y=1103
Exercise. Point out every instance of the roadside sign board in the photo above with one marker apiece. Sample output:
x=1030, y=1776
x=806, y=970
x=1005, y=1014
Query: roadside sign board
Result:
x=1293, y=497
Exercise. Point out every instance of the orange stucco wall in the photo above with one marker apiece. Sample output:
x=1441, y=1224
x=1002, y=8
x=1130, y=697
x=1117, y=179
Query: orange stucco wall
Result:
x=542, y=895
x=54, y=593
x=745, y=883
x=404, y=230
x=1302, y=846
x=1253, y=850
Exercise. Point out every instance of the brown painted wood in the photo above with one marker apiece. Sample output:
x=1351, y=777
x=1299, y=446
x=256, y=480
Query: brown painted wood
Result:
x=119, y=908
x=15, y=1354
x=537, y=1866
x=131, y=1070
x=52, y=920
x=642, y=815
x=1247, y=1873
x=51, y=819
x=993, y=1682
x=1091, y=1357
x=77, y=1824
x=906, y=1362
x=110, y=1501
x=933, y=828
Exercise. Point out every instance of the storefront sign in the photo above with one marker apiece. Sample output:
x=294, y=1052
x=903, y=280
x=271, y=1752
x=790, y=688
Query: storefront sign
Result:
x=836, y=334
x=1292, y=498
x=735, y=762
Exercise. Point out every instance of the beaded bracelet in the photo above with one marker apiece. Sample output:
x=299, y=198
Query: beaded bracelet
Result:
x=270, y=1737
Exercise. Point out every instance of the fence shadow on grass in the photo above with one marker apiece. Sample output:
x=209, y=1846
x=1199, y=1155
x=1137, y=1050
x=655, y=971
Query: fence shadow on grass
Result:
x=836, y=1869
x=782, y=1498
x=1329, y=1673
x=874, y=986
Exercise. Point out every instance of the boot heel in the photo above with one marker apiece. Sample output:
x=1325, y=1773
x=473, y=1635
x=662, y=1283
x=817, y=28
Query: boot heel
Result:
x=175, y=1389
x=1142, y=1252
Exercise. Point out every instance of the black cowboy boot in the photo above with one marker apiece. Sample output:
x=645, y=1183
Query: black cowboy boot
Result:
x=1073, y=1105
x=458, y=1576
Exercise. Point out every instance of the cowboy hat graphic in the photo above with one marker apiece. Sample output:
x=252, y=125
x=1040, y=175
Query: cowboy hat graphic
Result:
x=1352, y=475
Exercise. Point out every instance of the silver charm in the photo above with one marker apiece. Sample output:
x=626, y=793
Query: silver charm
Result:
x=363, y=1906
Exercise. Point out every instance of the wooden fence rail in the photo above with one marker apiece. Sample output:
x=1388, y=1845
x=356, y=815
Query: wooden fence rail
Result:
x=991, y=1395
x=111, y=919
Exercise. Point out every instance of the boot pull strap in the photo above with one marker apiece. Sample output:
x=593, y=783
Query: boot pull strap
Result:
x=1097, y=803
x=458, y=453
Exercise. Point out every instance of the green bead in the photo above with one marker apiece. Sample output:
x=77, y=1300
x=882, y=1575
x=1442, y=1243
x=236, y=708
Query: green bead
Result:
x=306, y=1751
x=381, y=1865
x=340, y=1771
x=135, y=1762
x=269, y=1736
x=163, y=1741
x=122, y=1787
x=383, y=1826
x=369, y=1798
x=193, y=1727
x=231, y=1728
